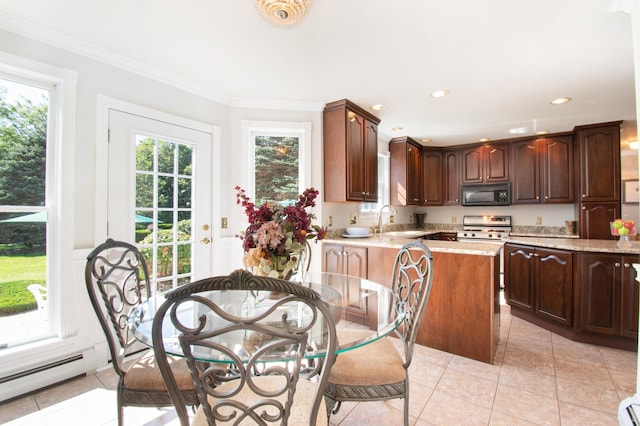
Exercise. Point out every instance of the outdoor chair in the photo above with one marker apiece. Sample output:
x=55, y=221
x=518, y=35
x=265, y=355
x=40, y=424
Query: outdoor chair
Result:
x=378, y=371
x=232, y=391
x=117, y=281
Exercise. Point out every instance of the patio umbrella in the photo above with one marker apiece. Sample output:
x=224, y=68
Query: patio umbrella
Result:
x=32, y=217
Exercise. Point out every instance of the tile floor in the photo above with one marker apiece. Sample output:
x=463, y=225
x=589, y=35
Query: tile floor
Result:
x=539, y=378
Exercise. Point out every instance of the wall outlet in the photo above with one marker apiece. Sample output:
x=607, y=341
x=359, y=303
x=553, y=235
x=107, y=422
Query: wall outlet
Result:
x=410, y=218
x=330, y=221
x=539, y=220
x=352, y=220
x=392, y=219
x=454, y=219
x=223, y=223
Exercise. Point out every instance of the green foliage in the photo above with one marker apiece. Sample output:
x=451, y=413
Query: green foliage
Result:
x=16, y=273
x=276, y=169
x=165, y=253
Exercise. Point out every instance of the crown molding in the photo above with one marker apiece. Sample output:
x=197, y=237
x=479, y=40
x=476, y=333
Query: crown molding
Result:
x=278, y=104
x=87, y=50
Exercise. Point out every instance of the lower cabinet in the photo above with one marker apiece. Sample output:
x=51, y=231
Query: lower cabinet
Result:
x=350, y=260
x=540, y=281
x=608, y=297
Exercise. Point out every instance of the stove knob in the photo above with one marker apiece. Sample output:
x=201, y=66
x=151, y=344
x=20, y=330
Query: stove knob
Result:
x=498, y=235
x=473, y=234
x=490, y=236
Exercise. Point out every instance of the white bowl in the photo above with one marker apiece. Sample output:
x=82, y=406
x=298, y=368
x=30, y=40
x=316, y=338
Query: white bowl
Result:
x=357, y=230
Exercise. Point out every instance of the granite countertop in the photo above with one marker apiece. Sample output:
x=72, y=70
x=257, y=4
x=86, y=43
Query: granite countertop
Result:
x=384, y=241
x=576, y=244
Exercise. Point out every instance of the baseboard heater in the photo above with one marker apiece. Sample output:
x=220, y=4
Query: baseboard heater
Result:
x=42, y=376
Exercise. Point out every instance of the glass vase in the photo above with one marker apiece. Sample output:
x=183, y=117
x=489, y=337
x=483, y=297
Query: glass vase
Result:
x=624, y=242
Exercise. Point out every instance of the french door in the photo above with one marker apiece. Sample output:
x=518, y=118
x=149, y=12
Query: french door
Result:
x=159, y=195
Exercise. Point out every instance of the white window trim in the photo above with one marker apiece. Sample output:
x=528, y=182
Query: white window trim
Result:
x=59, y=206
x=301, y=130
x=383, y=196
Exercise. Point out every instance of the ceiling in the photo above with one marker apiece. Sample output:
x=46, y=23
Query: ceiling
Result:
x=502, y=61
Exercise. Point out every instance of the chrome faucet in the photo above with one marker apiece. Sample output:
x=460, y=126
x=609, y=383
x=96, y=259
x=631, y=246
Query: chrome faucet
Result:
x=391, y=210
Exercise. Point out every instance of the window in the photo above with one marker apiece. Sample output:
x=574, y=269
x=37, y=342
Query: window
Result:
x=368, y=210
x=279, y=155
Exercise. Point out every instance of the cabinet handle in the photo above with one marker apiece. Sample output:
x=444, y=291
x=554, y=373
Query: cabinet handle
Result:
x=530, y=254
x=537, y=198
x=536, y=255
x=584, y=208
x=617, y=264
x=626, y=265
x=584, y=195
x=546, y=197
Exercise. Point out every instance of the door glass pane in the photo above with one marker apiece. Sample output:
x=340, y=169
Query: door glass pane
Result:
x=276, y=169
x=24, y=314
x=164, y=196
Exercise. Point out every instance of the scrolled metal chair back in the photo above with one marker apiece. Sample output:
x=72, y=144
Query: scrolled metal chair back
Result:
x=117, y=281
x=274, y=344
x=411, y=282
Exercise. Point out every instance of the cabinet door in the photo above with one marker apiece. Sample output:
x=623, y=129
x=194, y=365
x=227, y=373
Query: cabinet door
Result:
x=370, y=168
x=472, y=170
x=599, y=293
x=451, y=179
x=595, y=218
x=355, y=261
x=519, y=275
x=599, y=163
x=496, y=163
x=525, y=180
x=554, y=285
x=356, y=183
x=629, y=298
x=332, y=258
x=557, y=169
x=404, y=173
x=431, y=177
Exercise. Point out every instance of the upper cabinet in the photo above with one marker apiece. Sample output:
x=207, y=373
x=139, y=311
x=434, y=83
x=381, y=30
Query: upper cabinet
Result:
x=598, y=162
x=451, y=177
x=542, y=170
x=485, y=163
x=431, y=177
x=405, y=170
x=350, y=142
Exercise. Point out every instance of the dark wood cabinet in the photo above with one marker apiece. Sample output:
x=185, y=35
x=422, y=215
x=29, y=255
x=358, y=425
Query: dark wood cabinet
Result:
x=598, y=162
x=485, y=163
x=542, y=170
x=594, y=219
x=451, y=177
x=608, y=298
x=540, y=281
x=405, y=171
x=350, y=144
x=432, y=174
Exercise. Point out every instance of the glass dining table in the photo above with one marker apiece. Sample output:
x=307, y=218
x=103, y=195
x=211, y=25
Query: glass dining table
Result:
x=364, y=311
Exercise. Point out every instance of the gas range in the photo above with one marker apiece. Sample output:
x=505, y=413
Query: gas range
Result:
x=484, y=228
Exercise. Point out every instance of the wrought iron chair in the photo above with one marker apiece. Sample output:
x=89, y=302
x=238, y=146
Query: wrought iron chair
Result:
x=378, y=371
x=278, y=392
x=117, y=281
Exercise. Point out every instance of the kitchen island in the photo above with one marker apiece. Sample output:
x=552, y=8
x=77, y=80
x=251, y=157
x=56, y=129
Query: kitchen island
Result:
x=463, y=312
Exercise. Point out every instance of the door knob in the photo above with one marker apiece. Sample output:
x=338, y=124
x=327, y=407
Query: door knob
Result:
x=205, y=240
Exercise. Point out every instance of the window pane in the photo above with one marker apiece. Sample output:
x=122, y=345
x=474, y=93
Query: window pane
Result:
x=165, y=156
x=276, y=169
x=165, y=191
x=184, y=192
x=144, y=154
x=185, y=159
x=144, y=190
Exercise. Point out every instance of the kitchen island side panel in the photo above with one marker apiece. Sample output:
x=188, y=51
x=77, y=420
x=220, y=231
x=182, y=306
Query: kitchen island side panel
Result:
x=463, y=312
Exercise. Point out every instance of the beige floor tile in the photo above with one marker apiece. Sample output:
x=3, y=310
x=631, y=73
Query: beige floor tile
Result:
x=588, y=395
x=529, y=380
x=582, y=372
x=520, y=327
x=475, y=368
x=527, y=406
x=565, y=349
x=574, y=415
x=501, y=419
x=67, y=390
x=467, y=387
x=17, y=408
x=524, y=358
x=445, y=409
x=418, y=398
x=617, y=358
x=367, y=413
x=624, y=380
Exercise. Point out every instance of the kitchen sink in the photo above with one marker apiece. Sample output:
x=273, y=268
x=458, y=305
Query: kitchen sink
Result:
x=406, y=234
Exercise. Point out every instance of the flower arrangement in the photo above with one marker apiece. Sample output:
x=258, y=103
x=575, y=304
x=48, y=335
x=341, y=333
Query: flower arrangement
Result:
x=276, y=231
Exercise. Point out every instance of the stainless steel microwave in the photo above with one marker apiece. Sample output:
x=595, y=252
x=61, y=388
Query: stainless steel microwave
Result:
x=489, y=194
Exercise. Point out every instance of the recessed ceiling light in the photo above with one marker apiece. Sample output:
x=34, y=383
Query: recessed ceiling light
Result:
x=518, y=130
x=484, y=140
x=377, y=107
x=439, y=93
x=542, y=132
x=396, y=129
x=560, y=101
x=425, y=140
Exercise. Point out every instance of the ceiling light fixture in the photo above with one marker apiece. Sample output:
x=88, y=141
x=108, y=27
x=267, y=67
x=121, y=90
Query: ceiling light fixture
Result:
x=397, y=129
x=542, y=132
x=283, y=12
x=425, y=140
x=560, y=101
x=439, y=93
x=377, y=107
x=484, y=140
x=518, y=130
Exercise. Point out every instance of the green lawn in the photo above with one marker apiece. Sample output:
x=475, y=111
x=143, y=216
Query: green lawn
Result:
x=16, y=273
